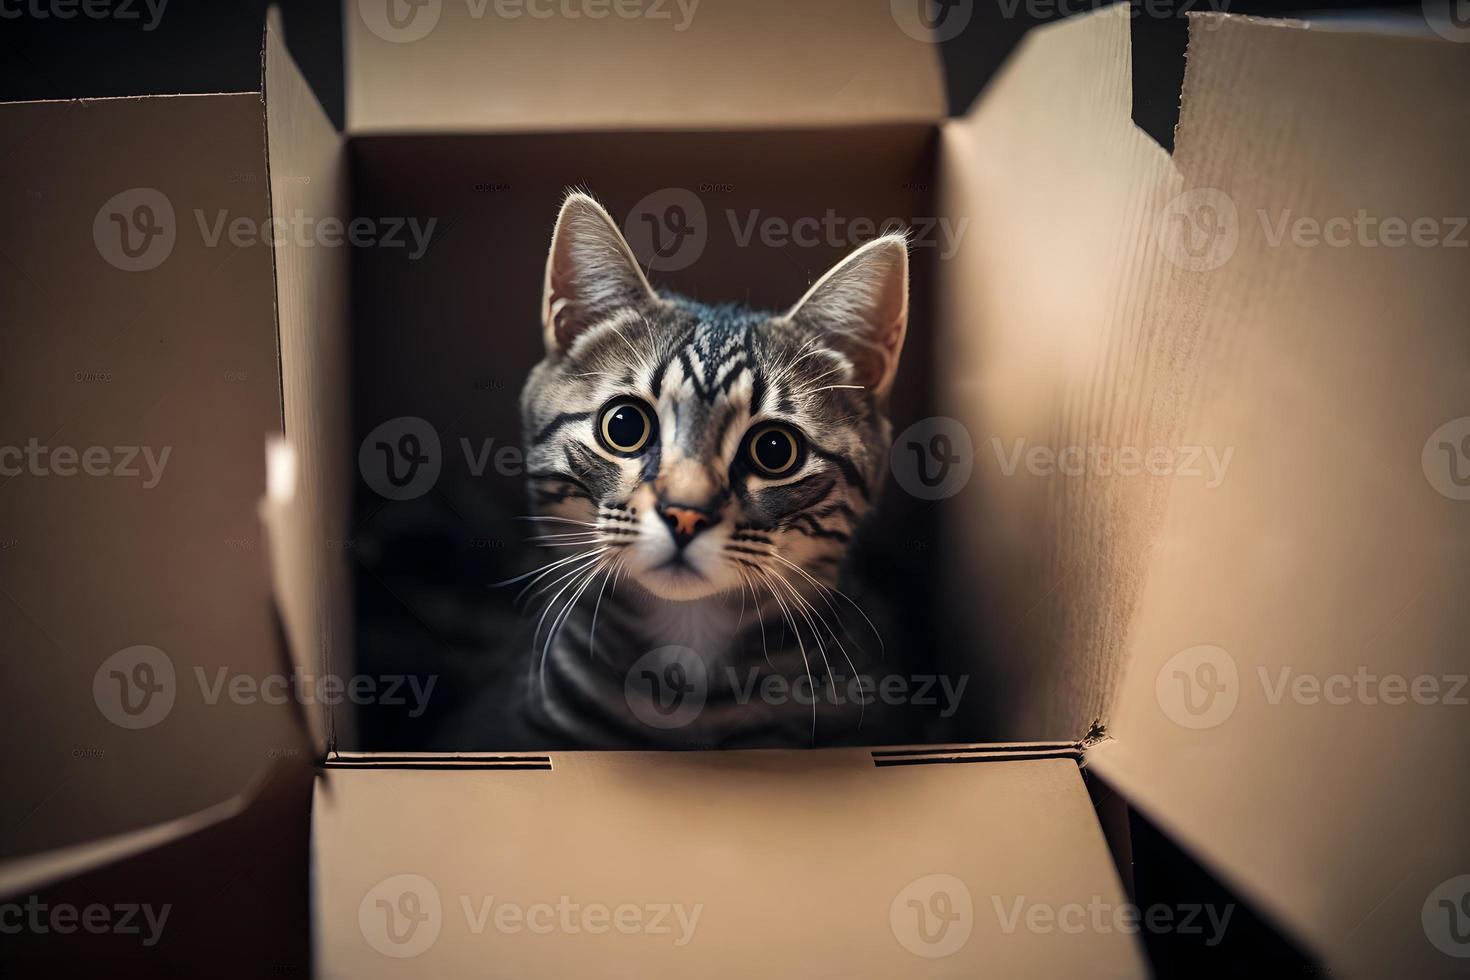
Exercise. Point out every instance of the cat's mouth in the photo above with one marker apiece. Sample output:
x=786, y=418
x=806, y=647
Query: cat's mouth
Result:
x=676, y=578
x=677, y=564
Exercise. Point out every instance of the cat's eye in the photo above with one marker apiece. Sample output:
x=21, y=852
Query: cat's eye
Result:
x=775, y=449
x=625, y=427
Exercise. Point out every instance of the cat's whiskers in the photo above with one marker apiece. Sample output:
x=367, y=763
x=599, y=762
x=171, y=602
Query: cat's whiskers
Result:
x=800, y=644
x=834, y=590
x=808, y=611
x=560, y=520
x=576, y=577
x=538, y=572
x=610, y=575
x=765, y=650
x=560, y=620
x=566, y=573
x=862, y=706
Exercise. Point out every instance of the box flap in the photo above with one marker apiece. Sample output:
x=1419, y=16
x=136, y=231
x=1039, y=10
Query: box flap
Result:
x=597, y=64
x=1233, y=453
x=814, y=864
x=1053, y=340
x=231, y=878
x=38, y=871
x=1295, y=705
x=139, y=363
x=306, y=509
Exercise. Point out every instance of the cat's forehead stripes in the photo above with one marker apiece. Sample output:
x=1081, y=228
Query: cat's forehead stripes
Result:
x=714, y=348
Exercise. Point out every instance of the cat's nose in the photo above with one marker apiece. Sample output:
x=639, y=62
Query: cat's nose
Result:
x=684, y=522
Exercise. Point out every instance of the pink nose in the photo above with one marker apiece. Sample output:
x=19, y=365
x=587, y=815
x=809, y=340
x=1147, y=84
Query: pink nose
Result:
x=684, y=522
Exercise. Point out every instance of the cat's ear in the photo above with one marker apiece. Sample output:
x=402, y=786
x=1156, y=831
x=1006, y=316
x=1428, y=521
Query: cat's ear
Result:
x=591, y=273
x=861, y=309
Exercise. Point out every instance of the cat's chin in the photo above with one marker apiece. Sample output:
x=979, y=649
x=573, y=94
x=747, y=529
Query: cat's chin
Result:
x=677, y=583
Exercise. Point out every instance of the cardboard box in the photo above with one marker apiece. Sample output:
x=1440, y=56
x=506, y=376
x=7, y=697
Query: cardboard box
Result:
x=1215, y=648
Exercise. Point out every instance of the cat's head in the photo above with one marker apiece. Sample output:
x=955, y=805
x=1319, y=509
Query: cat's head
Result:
x=701, y=446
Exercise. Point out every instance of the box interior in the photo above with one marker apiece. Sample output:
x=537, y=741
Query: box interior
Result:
x=1294, y=358
x=450, y=336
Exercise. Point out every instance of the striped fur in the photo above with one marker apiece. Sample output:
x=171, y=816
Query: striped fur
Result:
x=757, y=591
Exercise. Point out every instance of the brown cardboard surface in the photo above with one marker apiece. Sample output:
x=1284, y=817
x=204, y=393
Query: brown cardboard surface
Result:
x=1338, y=545
x=801, y=864
x=451, y=65
x=177, y=355
x=1064, y=188
x=220, y=894
x=308, y=178
x=1325, y=372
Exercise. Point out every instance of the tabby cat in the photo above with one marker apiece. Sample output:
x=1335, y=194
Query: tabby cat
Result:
x=698, y=471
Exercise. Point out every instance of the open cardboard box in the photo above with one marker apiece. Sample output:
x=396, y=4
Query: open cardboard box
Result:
x=1072, y=314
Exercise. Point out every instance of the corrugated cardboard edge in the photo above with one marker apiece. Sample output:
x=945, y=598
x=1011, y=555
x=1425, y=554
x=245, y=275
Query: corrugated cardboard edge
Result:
x=306, y=506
